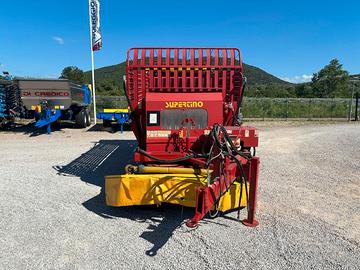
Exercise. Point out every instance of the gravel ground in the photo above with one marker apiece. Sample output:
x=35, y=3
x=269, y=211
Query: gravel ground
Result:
x=53, y=214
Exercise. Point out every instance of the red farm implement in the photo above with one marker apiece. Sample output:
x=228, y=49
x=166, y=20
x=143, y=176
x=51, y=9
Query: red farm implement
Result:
x=193, y=149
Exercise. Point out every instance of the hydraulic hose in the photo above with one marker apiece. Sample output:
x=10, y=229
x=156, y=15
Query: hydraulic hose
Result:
x=215, y=133
x=165, y=161
x=236, y=119
x=226, y=148
x=168, y=170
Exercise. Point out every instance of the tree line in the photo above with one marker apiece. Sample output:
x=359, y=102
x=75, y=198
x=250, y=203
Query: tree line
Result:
x=332, y=81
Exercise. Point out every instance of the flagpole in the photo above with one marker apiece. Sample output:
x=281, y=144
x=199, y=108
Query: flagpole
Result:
x=92, y=65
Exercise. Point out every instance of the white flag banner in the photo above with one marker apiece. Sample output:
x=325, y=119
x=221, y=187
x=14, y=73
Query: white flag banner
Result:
x=94, y=6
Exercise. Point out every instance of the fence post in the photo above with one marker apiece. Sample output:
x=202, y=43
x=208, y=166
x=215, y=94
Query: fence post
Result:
x=332, y=106
x=287, y=108
x=351, y=101
x=350, y=109
x=309, y=110
x=263, y=109
x=356, y=105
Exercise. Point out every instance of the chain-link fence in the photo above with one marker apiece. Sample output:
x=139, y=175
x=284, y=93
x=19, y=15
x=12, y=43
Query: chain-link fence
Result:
x=306, y=108
x=107, y=102
x=269, y=108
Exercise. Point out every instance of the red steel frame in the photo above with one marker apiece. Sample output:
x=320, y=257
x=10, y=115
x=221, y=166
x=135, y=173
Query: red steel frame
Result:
x=154, y=75
x=208, y=196
x=183, y=70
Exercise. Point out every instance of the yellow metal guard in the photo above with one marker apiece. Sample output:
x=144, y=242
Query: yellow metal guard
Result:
x=148, y=189
x=116, y=110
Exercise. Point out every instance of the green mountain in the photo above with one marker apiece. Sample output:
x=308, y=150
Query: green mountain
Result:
x=257, y=76
x=109, y=79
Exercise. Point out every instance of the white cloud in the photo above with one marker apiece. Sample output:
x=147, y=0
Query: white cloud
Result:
x=59, y=40
x=298, y=79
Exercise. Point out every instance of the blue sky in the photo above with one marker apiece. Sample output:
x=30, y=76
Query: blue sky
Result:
x=290, y=39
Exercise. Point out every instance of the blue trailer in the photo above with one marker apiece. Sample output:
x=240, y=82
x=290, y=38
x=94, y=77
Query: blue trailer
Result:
x=120, y=116
x=46, y=113
x=45, y=100
x=71, y=99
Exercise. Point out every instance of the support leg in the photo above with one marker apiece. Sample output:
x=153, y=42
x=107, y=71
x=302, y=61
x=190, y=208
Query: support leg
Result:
x=48, y=129
x=251, y=221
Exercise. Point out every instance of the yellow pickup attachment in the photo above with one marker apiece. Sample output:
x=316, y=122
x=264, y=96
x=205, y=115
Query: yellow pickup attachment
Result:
x=147, y=189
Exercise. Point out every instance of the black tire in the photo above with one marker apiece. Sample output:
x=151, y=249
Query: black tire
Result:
x=80, y=119
x=106, y=123
x=88, y=118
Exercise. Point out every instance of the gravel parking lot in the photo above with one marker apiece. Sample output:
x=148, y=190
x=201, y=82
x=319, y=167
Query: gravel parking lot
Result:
x=53, y=213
